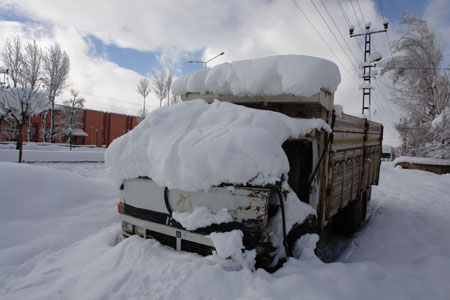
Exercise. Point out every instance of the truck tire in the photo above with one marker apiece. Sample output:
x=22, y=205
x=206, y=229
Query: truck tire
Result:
x=350, y=218
x=353, y=216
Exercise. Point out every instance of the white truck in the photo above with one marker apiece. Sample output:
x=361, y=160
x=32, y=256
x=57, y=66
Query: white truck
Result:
x=332, y=172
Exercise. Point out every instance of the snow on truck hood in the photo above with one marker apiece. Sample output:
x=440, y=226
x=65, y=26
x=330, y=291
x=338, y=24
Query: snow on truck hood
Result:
x=194, y=145
x=299, y=75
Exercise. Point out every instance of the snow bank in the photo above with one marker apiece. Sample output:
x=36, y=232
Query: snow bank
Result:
x=422, y=161
x=299, y=75
x=61, y=248
x=44, y=210
x=201, y=216
x=194, y=146
x=46, y=152
x=50, y=147
x=52, y=156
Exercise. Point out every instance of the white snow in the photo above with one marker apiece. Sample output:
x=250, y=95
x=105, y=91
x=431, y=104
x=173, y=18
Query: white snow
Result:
x=37, y=152
x=422, y=161
x=194, y=146
x=366, y=86
x=228, y=244
x=201, y=216
x=338, y=110
x=441, y=119
x=17, y=101
x=298, y=75
x=304, y=247
x=58, y=241
x=295, y=213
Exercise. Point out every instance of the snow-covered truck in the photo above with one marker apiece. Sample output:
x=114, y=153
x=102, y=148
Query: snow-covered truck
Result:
x=265, y=154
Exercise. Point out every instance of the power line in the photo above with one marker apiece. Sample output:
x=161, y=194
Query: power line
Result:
x=321, y=37
x=388, y=102
x=347, y=19
x=357, y=2
x=387, y=34
x=109, y=98
x=356, y=16
x=329, y=28
x=337, y=28
x=343, y=12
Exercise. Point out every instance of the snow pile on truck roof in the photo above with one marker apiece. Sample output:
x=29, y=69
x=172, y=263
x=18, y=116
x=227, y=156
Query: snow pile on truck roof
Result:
x=298, y=75
x=194, y=146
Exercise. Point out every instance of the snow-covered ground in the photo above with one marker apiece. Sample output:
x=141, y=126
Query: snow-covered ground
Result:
x=58, y=241
x=46, y=152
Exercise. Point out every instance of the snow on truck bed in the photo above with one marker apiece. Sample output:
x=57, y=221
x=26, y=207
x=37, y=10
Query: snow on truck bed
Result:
x=299, y=75
x=194, y=146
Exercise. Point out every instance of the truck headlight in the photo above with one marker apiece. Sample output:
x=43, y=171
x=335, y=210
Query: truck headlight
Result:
x=127, y=227
x=139, y=230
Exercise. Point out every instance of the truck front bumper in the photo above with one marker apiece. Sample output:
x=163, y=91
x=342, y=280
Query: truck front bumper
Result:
x=179, y=239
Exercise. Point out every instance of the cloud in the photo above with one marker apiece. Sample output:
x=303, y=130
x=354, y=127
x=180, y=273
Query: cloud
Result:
x=437, y=15
x=176, y=29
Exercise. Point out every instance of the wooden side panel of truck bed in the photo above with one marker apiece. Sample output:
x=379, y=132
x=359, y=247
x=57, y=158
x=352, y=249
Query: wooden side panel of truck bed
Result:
x=354, y=163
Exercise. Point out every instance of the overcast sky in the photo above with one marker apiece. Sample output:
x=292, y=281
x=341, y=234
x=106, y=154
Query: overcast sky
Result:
x=112, y=43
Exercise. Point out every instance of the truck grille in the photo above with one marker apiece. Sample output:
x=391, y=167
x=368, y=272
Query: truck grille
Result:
x=189, y=246
x=166, y=240
x=186, y=245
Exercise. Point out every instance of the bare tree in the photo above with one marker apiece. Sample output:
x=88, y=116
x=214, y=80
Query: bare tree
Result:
x=420, y=86
x=144, y=89
x=32, y=71
x=161, y=85
x=168, y=85
x=56, y=72
x=32, y=64
x=12, y=56
x=21, y=103
x=71, y=117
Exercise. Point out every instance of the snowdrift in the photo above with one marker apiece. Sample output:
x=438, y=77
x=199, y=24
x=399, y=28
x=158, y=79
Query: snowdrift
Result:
x=299, y=75
x=402, y=253
x=194, y=146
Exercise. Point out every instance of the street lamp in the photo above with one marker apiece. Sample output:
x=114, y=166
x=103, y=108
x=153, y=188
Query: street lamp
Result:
x=206, y=62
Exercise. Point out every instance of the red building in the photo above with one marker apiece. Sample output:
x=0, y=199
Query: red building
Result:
x=98, y=128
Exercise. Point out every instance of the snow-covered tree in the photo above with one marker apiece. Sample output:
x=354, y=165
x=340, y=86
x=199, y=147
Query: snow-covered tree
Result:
x=421, y=86
x=56, y=72
x=20, y=104
x=71, y=116
x=20, y=101
x=161, y=85
x=143, y=88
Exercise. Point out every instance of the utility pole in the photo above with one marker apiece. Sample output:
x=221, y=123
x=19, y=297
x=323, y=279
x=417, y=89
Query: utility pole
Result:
x=369, y=62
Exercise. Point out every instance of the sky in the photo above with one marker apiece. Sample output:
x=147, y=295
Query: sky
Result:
x=113, y=43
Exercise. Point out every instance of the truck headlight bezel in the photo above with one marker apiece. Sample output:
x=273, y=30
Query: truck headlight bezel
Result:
x=127, y=227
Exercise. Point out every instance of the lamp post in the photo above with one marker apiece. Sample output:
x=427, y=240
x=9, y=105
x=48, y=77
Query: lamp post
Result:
x=206, y=62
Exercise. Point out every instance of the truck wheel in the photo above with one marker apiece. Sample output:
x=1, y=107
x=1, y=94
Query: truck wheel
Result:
x=353, y=216
x=347, y=221
x=298, y=230
x=365, y=201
